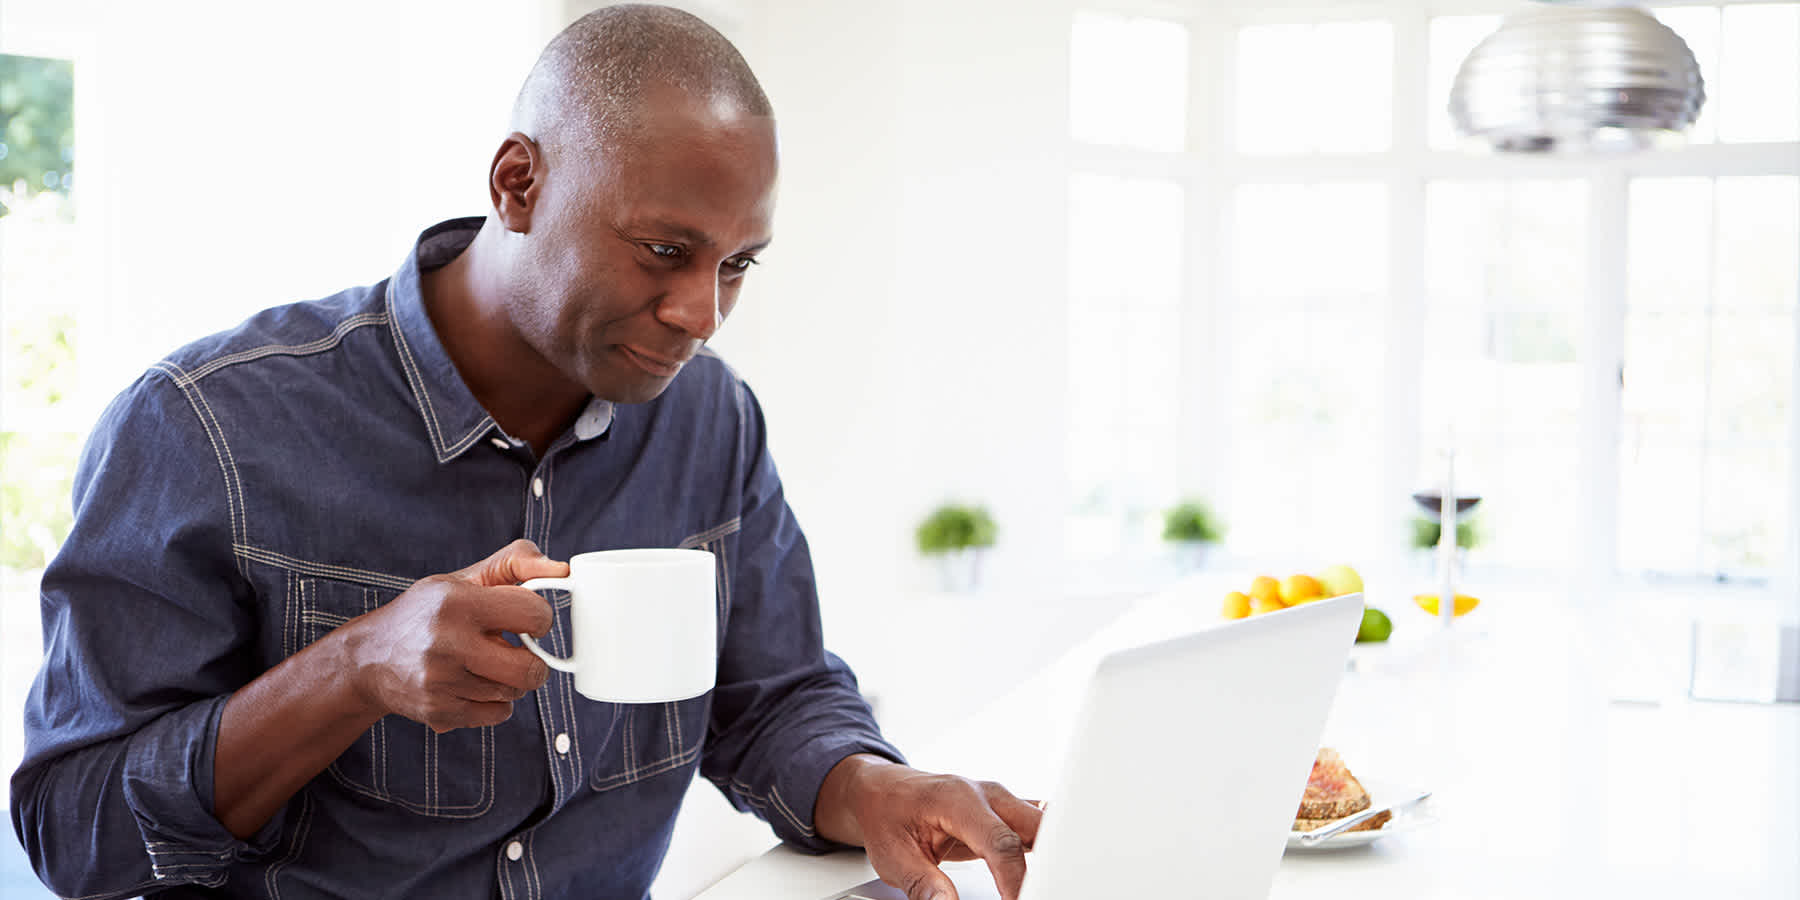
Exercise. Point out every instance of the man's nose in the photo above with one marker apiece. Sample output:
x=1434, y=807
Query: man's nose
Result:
x=693, y=307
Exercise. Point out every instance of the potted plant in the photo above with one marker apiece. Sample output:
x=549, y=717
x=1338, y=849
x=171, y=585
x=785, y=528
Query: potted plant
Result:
x=1191, y=527
x=955, y=536
x=1425, y=535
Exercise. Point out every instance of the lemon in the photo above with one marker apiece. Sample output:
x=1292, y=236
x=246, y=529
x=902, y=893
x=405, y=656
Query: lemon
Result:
x=1375, y=628
x=1237, y=605
x=1266, y=588
x=1339, y=580
x=1300, y=589
x=1429, y=603
x=1264, y=604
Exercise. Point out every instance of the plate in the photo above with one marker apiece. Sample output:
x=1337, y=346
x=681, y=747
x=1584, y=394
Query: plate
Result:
x=1404, y=820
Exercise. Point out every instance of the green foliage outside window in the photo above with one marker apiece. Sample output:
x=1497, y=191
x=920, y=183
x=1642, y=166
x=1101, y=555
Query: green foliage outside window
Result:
x=34, y=495
x=37, y=126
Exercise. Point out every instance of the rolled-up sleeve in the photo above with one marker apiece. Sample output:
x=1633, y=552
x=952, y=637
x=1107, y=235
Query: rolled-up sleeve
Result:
x=147, y=630
x=785, y=710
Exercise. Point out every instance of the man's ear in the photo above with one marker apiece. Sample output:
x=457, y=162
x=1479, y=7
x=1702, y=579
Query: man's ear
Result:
x=515, y=181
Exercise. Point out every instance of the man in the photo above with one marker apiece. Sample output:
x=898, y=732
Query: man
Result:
x=255, y=685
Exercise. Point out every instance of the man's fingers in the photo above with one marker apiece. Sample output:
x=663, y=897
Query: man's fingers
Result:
x=909, y=870
x=468, y=714
x=515, y=609
x=512, y=564
x=513, y=667
x=1022, y=816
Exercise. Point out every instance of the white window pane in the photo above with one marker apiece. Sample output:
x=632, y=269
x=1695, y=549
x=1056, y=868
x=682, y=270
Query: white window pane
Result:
x=1502, y=362
x=1451, y=37
x=1669, y=240
x=1306, y=397
x=1752, y=372
x=1295, y=242
x=1659, y=507
x=1665, y=378
x=1759, y=73
x=1315, y=88
x=1698, y=26
x=1126, y=237
x=1128, y=81
x=1348, y=255
x=1274, y=89
x=1746, y=514
x=1352, y=93
x=1759, y=242
x=1270, y=225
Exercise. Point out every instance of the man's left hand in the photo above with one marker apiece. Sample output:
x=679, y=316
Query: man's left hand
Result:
x=910, y=821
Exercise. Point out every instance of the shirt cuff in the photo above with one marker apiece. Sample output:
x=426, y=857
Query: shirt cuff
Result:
x=796, y=789
x=168, y=781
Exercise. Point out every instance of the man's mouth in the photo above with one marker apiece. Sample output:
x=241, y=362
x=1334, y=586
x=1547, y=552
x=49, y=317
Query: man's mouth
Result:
x=655, y=365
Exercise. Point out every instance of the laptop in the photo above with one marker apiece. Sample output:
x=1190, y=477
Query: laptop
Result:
x=1187, y=764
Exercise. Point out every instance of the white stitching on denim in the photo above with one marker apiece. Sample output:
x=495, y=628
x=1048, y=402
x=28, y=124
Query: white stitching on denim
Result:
x=537, y=879
x=506, y=888
x=629, y=743
x=232, y=498
x=568, y=694
x=234, y=481
x=134, y=889
x=750, y=794
x=634, y=775
x=177, y=849
x=363, y=577
x=307, y=349
x=669, y=730
x=416, y=380
x=725, y=584
x=775, y=795
x=714, y=533
x=300, y=831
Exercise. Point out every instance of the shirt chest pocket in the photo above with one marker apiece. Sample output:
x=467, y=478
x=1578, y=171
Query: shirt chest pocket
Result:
x=651, y=739
x=399, y=761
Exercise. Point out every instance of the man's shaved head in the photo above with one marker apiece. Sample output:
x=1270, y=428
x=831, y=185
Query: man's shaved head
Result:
x=588, y=88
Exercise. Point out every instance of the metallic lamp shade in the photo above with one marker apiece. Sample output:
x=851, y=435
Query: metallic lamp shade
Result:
x=1577, y=78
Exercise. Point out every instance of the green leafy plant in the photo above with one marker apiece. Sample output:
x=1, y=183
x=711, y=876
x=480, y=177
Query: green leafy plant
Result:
x=953, y=527
x=1426, y=532
x=34, y=496
x=1191, y=521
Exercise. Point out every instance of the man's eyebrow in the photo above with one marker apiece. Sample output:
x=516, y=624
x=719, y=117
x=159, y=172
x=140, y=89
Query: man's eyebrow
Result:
x=693, y=236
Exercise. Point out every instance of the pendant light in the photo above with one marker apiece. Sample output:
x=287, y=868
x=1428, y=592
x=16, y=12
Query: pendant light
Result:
x=1567, y=76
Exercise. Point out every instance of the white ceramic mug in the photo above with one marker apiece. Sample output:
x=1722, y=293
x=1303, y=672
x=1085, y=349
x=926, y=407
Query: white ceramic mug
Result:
x=644, y=622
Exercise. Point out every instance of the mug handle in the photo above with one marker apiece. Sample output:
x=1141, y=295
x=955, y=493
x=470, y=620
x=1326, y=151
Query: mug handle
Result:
x=555, y=662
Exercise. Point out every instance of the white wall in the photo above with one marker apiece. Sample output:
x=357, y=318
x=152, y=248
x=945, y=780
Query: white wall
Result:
x=906, y=335
x=239, y=155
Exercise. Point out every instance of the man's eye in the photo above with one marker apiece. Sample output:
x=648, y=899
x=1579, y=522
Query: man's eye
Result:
x=667, y=251
x=741, y=263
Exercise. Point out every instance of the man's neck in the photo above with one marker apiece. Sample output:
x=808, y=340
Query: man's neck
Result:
x=466, y=302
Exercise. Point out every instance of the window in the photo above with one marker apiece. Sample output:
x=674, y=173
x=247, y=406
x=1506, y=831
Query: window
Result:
x=1566, y=322
x=1305, y=390
x=1708, y=389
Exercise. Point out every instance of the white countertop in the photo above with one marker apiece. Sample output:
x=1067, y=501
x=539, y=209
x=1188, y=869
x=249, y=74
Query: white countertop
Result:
x=1542, y=786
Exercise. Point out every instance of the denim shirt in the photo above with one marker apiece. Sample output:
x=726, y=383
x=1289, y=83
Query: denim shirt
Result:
x=263, y=486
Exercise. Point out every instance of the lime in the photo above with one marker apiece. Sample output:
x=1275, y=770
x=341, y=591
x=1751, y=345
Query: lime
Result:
x=1375, y=627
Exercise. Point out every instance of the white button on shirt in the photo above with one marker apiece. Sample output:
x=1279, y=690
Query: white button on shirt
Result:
x=500, y=443
x=562, y=743
x=537, y=487
x=514, y=851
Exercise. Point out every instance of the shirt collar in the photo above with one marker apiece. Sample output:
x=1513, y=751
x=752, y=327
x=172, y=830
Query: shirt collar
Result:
x=454, y=419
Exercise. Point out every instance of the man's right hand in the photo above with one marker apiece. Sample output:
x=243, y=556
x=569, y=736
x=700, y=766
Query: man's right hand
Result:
x=436, y=654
